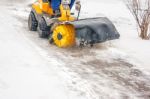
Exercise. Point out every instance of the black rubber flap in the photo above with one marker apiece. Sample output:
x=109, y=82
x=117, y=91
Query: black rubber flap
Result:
x=95, y=30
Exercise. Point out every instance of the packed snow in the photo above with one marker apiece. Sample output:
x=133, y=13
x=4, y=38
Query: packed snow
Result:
x=31, y=68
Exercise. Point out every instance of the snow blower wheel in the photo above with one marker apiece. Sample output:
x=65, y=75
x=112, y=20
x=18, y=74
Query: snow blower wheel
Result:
x=43, y=29
x=64, y=35
x=32, y=22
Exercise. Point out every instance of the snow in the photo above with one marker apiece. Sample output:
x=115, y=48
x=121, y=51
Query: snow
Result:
x=24, y=72
x=30, y=68
x=129, y=42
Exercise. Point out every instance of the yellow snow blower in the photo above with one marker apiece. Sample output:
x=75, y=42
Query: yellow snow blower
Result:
x=64, y=30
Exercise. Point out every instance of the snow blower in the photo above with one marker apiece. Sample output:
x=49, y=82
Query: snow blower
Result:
x=64, y=30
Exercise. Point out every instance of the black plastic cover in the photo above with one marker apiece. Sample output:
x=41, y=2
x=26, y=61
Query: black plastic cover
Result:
x=95, y=30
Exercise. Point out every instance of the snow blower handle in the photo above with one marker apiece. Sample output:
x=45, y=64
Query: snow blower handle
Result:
x=78, y=8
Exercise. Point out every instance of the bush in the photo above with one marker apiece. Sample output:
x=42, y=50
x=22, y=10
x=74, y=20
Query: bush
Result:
x=140, y=9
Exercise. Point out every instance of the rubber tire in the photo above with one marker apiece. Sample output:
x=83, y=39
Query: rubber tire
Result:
x=43, y=28
x=32, y=22
x=67, y=32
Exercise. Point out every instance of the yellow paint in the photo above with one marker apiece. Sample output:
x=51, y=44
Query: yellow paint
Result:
x=36, y=7
x=65, y=14
x=45, y=7
x=41, y=7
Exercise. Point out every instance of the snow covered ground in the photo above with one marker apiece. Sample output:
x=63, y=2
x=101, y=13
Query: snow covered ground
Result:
x=30, y=68
x=129, y=41
x=24, y=72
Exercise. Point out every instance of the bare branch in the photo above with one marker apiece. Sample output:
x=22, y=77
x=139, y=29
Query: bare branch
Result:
x=140, y=9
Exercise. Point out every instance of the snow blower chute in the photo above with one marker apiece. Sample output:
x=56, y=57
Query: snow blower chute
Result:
x=64, y=30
